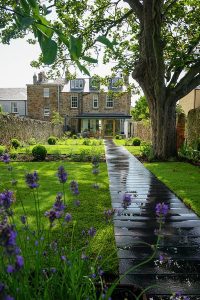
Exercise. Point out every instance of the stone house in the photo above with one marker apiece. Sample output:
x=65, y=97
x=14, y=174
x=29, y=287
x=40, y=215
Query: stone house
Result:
x=191, y=100
x=14, y=100
x=83, y=104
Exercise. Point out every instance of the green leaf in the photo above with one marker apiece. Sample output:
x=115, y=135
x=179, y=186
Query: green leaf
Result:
x=82, y=68
x=102, y=39
x=49, y=50
x=90, y=59
x=33, y=3
x=45, y=30
x=25, y=22
x=25, y=6
x=76, y=45
x=63, y=38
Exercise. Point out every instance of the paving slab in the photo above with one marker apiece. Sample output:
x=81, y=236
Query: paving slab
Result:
x=176, y=263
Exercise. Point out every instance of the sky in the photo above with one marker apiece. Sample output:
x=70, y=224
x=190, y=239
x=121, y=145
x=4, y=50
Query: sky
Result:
x=15, y=69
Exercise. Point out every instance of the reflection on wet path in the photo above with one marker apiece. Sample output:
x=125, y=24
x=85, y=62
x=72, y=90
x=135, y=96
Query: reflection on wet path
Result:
x=176, y=266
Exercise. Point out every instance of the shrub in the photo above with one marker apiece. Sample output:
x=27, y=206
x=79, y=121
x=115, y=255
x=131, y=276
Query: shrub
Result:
x=74, y=136
x=117, y=137
x=39, y=152
x=51, y=140
x=147, y=151
x=136, y=141
x=1, y=150
x=15, y=143
x=86, y=142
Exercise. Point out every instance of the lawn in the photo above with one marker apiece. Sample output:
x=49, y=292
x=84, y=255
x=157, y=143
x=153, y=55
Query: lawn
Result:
x=135, y=150
x=89, y=214
x=182, y=178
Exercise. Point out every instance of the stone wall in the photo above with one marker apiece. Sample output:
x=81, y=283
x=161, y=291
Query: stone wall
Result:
x=142, y=129
x=24, y=128
x=193, y=125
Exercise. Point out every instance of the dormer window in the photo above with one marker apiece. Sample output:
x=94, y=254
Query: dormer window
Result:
x=94, y=84
x=116, y=83
x=77, y=84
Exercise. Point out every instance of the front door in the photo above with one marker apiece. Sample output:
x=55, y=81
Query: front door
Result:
x=108, y=127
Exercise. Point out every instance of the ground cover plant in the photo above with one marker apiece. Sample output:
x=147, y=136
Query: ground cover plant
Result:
x=183, y=178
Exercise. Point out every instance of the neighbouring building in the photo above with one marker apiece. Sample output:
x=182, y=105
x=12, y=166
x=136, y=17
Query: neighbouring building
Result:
x=191, y=100
x=82, y=103
x=14, y=100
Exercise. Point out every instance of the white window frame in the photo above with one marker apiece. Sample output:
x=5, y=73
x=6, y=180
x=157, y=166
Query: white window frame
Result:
x=96, y=100
x=77, y=83
x=14, y=108
x=46, y=92
x=46, y=112
x=109, y=102
x=115, y=83
x=73, y=101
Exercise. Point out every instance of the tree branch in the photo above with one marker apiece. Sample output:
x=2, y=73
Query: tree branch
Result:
x=118, y=21
x=187, y=83
x=136, y=6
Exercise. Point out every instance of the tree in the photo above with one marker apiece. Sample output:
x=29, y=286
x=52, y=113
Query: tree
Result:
x=156, y=41
x=140, y=111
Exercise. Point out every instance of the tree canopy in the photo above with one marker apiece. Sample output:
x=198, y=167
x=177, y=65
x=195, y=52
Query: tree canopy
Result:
x=155, y=41
x=140, y=111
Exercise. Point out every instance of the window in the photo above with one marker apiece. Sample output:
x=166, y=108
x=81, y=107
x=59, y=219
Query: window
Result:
x=46, y=112
x=14, y=108
x=46, y=92
x=95, y=101
x=109, y=101
x=116, y=83
x=74, y=101
x=77, y=84
x=94, y=84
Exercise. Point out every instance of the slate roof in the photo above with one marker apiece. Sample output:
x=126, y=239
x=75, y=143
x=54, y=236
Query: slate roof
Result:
x=17, y=94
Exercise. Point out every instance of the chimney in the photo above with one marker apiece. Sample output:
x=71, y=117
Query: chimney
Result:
x=34, y=79
x=41, y=77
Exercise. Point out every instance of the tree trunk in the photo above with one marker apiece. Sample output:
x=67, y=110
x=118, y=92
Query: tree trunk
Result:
x=163, y=121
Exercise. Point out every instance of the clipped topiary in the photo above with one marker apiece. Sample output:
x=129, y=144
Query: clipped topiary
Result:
x=51, y=140
x=15, y=143
x=117, y=137
x=136, y=141
x=39, y=152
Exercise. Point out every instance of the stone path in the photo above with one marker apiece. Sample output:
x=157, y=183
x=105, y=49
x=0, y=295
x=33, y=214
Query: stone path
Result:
x=180, y=245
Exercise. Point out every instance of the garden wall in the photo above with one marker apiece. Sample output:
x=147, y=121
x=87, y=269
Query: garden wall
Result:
x=142, y=129
x=193, y=125
x=24, y=128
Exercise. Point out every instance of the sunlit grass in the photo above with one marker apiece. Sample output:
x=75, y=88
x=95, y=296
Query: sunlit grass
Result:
x=182, y=178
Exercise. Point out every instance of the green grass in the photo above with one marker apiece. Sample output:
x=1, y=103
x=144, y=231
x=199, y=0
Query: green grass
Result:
x=182, y=178
x=89, y=214
x=135, y=150
x=65, y=149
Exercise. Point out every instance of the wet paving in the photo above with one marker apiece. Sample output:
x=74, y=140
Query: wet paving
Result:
x=176, y=264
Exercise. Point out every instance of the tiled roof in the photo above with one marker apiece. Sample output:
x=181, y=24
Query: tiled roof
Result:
x=13, y=94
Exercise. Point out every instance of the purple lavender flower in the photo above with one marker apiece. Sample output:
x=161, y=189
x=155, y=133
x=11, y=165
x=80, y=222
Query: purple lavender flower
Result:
x=59, y=205
x=10, y=269
x=126, y=200
x=95, y=171
x=5, y=158
x=74, y=187
x=2, y=287
x=109, y=213
x=8, y=297
x=52, y=215
x=162, y=209
x=68, y=218
x=63, y=257
x=6, y=199
x=77, y=203
x=53, y=270
x=32, y=180
x=92, y=231
x=84, y=256
x=23, y=219
x=19, y=263
x=8, y=238
x=62, y=175
x=100, y=271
